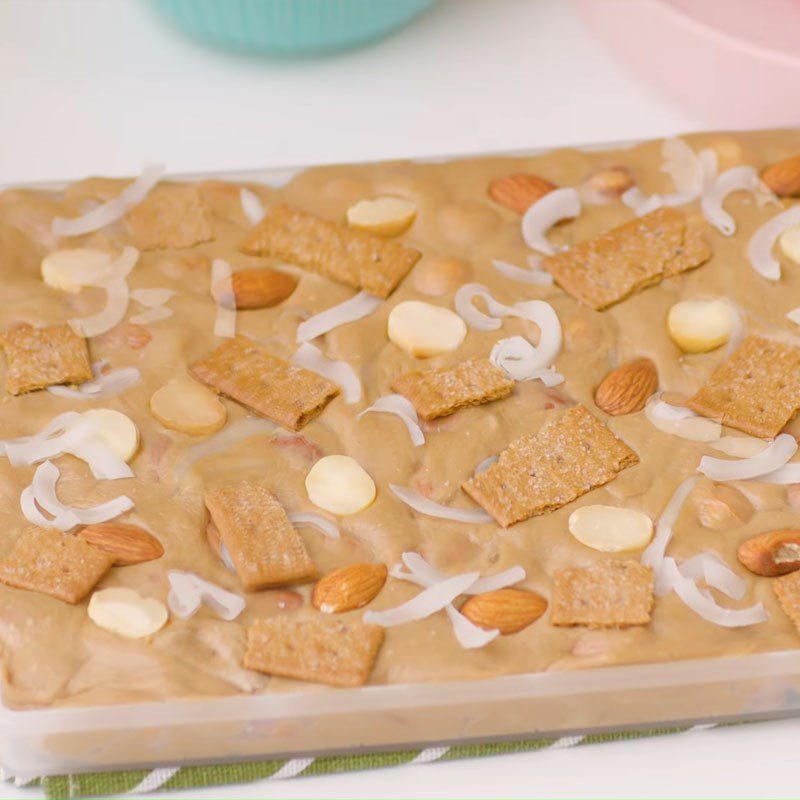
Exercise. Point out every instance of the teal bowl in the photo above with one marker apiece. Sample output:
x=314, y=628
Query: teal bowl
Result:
x=290, y=27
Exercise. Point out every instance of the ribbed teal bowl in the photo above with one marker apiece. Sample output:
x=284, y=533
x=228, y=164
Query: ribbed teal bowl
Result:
x=290, y=27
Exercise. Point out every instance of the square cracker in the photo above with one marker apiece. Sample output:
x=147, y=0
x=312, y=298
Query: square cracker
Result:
x=247, y=372
x=569, y=456
x=264, y=547
x=172, y=215
x=54, y=563
x=757, y=390
x=787, y=590
x=440, y=392
x=609, y=594
x=604, y=270
x=321, y=650
x=41, y=357
x=353, y=257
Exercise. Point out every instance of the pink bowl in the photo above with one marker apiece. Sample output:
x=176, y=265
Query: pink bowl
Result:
x=728, y=63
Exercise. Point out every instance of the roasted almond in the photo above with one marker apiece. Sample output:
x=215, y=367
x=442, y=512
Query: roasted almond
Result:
x=625, y=390
x=128, y=543
x=771, y=554
x=348, y=588
x=519, y=191
x=507, y=610
x=784, y=177
x=254, y=288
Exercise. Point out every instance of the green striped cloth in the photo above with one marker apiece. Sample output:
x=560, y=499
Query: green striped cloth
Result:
x=172, y=778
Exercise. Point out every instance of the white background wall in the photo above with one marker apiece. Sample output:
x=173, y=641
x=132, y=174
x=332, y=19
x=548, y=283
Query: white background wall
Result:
x=100, y=86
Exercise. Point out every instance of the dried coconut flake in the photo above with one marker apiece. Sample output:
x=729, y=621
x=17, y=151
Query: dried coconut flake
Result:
x=424, y=505
x=316, y=520
x=763, y=241
x=189, y=591
x=104, y=384
x=41, y=496
x=339, y=372
x=555, y=206
x=358, y=307
x=401, y=407
x=114, y=209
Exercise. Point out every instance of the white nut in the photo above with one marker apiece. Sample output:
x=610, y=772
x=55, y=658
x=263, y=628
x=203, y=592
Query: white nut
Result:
x=424, y=330
x=340, y=484
x=71, y=270
x=698, y=326
x=790, y=243
x=116, y=430
x=383, y=216
x=127, y=613
x=610, y=529
x=189, y=407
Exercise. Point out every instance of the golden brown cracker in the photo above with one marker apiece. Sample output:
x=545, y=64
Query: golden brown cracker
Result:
x=247, y=372
x=353, y=257
x=264, y=547
x=48, y=561
x=610, y=267
x=787, y=590
x=439, y=392
x=171, y=216
x=569, y=456
x=609, y=594
x=757, y=390
x=41, y=357
x=321, y=650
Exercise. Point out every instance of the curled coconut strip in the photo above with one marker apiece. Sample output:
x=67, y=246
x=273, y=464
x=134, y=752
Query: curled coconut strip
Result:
x=736, y=179
x=401, y=407
x=541, y=313
x=794, y=316
x=104, y=384
x=41, y=497
x=772, y=458
x=154, y=301
x=535, y=276
x=252, y=207
x=763, y=241
x=679, y=421
x=669, y=576
x=521, y=361
x=114, y=209
x=358, y=307
x=189, y=591
x=117, y=297
x=316, y=520
x=485, y=464
x=790, y=473
x=427, y=602
x=221, y=279
x=340, y=372
x=69, y=433
x=424, y=505
x=692, y=173
x=555, y=206
x=422, y=573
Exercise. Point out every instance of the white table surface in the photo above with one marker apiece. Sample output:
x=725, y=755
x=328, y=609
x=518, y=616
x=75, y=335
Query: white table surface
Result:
x=100, y=86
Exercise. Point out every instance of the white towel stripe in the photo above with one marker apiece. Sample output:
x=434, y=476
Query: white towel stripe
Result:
x=429, y=755
x=291, y=768
x=155, y=780
x=566, y=741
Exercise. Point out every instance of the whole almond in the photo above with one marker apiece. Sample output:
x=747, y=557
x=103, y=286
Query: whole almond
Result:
x=519, y=191
x=771, y=554
x=784, y=177
x=128, y=543
x=625, y=390
x=723, y=507
x=507, y=610
x=348, y=588
x=255, y=288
